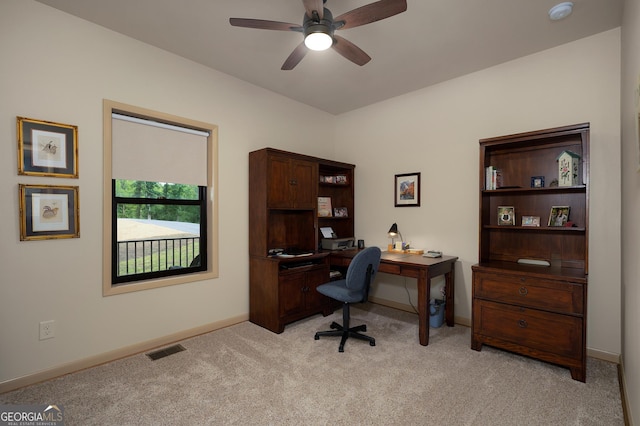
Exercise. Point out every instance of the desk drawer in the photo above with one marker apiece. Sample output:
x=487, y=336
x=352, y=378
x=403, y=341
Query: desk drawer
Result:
x=389, y=269
x=556, y=296
x=538, y=330
x=340, y=261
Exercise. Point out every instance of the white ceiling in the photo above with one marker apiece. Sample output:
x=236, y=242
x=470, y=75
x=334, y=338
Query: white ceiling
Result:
x=433, y=41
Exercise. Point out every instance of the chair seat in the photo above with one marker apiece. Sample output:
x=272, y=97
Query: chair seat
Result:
x=338, y=290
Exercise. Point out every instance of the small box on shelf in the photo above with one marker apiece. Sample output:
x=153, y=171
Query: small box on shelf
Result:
x=568, y=169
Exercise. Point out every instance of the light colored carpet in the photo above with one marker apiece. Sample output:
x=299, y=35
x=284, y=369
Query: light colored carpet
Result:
x=246, y=375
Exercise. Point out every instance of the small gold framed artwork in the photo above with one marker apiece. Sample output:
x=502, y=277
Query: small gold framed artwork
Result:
x=46, y=148
x=48, y=212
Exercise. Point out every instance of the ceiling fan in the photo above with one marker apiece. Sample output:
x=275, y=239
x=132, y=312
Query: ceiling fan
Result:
x=319, y=25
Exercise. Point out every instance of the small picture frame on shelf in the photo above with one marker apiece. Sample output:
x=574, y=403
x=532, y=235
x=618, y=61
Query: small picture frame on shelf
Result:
x=537, y=181
x=506, y=215
x=324, y=206
x=340, y=212
x=530, y=220
x=559, y=216
x=341, y=179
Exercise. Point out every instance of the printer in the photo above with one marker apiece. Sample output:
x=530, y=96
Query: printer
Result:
x=337, y=243
x=332, y=242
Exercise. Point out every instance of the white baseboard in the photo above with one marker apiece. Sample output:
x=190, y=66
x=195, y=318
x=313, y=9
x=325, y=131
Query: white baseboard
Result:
x=623, y=394
x=103, y=358
x=603, y=355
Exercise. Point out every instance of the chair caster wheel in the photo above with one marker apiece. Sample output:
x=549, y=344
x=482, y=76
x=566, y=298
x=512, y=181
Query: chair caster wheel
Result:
x=333, y=326
x=316, y=337
x=372, y=343
x=340, y=349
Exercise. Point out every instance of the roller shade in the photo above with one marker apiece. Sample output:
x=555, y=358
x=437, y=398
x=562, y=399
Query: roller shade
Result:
x=157, y=152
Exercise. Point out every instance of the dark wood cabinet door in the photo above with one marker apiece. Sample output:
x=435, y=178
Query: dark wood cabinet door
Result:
x=292, y=183
x=279, y=185
x=304, y=184
x=314, y=278
x=291, y=293
x=298, y=292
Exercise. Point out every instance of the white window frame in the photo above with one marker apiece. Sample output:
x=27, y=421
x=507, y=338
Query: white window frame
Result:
x=109, y=289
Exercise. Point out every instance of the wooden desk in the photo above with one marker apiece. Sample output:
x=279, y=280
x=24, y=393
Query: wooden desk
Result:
x=419, y=267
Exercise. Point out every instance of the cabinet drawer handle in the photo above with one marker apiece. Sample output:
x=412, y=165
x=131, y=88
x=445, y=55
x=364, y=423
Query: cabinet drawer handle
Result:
x=523, y=291
x=522, y=324
x=293, y=182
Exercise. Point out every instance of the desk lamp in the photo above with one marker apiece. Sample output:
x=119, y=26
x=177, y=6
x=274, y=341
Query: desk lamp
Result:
x=393, y=232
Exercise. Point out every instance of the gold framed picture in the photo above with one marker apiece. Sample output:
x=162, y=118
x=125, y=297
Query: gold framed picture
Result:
x=46, y=148
x=506, y=215
x=559, y=216
x=48, y=212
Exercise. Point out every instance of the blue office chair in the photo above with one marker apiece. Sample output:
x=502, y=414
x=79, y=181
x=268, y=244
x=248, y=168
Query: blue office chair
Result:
x=353, y=289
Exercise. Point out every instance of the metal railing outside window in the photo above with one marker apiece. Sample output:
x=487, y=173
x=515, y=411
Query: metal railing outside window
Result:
x=154, y=255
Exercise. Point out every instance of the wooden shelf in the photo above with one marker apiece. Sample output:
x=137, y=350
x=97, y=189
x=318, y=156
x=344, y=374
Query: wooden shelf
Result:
x=553, y=189
x=514, y=304
x=535, y=228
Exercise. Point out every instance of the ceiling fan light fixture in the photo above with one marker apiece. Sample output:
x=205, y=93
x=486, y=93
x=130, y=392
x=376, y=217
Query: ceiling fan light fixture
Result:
x=318, y=41
x=560, y=11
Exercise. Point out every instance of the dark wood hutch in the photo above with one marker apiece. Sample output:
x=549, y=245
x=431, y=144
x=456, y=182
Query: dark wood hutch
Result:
x=283, y=215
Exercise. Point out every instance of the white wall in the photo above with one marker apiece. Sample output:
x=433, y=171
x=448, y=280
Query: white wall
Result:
x=435, y=131
x=59, y=68
x=631, y=204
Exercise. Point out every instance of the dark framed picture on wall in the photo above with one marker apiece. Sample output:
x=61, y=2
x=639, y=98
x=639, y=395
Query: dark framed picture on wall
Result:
x=46, y=148
x=407, y=190
x=48, y=212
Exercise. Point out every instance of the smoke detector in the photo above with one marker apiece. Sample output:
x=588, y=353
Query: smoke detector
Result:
x=560, y=11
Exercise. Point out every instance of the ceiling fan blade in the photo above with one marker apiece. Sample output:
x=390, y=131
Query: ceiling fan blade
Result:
x=261, y=24
x=350, y=50
x=295, y=57
x=370, y=13
x=314, y=6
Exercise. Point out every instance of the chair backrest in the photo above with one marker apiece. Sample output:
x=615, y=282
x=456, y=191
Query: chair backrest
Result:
x=358, y=278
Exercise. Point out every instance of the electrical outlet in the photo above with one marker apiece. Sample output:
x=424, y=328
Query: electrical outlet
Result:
x=47, y=330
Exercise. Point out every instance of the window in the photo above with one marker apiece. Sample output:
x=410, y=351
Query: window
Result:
x=160, y=221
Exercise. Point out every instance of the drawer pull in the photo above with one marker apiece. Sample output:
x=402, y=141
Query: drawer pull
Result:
x=522, y=324
x=523, y=291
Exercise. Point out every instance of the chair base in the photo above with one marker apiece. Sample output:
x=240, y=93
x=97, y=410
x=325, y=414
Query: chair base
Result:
x=338, y=330
x=345, y=331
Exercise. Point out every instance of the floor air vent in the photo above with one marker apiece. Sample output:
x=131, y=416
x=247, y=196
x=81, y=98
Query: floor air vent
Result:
x=161, y=353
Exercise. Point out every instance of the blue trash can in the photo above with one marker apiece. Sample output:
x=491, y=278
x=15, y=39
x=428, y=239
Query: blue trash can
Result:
x=436, y=313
